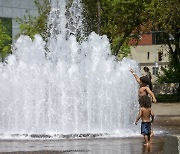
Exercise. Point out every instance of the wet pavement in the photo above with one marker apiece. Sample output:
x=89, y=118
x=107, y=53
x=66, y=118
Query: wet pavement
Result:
x=167, y=121
x=94, y=146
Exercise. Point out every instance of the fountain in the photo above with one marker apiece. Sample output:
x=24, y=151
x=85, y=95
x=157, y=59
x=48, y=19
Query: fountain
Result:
x=75, y=88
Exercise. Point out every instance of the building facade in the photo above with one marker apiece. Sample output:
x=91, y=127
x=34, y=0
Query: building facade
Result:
x=12, y=9
x=150, y=52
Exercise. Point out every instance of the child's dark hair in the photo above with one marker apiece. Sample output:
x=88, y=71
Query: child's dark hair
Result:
x=145, y=101
x=145, y=80
x=146, y=69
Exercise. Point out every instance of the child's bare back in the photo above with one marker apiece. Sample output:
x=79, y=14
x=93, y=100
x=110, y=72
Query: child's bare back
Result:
x=146, y=114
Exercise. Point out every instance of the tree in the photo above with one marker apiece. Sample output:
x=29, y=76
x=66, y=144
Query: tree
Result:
x=5, y=42
x=91, y=14
x=98, y=16
x=120, y=21
x=165, y=15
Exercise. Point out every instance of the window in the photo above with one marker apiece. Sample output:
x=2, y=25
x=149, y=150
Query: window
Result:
x=160, y=55
x=148, y=54
x=155, y=70
x=157, y=37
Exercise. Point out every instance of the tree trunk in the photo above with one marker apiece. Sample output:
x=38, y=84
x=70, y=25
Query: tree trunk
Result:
x=98, y=17
x=120, y=43
x=177, y=43
x=178, y=90
x=118, y=47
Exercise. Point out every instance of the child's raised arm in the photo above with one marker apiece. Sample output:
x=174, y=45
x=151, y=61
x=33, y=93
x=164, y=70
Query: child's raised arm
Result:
x=135, y=75
x=152, y=95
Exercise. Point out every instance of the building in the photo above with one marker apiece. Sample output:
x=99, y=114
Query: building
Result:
x=151, y=52
x=11, y=9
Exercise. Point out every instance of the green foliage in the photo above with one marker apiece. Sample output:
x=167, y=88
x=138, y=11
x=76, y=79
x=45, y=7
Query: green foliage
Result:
x=169, y=98
x=30, y=25
x=165, y=14
x=119, y=20
x=5, y=41
x=91, y=13
x=7, y=22
x=170, y=74
x=124, y=50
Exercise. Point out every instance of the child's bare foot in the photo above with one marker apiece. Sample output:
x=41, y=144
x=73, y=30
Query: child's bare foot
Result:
x=146, y=144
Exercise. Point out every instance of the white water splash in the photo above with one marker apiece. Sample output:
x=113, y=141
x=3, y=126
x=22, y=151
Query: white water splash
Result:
x=76, y=89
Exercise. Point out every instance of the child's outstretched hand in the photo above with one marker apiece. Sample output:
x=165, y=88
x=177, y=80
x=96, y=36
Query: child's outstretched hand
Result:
x=131, y=70
x=154, y=100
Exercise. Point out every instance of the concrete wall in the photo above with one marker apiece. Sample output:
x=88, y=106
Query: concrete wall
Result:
x=16, y=8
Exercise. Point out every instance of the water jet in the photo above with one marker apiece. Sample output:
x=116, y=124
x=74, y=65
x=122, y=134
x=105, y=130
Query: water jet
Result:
x=75, y=88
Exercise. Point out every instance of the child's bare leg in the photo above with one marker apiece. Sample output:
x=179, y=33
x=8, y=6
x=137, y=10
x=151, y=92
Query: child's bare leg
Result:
x=152, y=133
x=147, y=140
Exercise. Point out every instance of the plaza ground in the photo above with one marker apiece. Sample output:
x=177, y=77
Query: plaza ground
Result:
x=167, y=120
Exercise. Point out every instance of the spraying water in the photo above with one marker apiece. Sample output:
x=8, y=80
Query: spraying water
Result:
x=78, y=88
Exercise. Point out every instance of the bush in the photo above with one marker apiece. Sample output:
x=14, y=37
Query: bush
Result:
x=169, y=98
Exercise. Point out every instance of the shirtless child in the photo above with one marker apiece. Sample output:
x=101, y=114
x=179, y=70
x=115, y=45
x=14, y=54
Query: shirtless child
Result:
x=144, y=89
x=147, y=116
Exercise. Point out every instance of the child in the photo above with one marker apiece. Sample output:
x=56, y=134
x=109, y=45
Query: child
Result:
x=143, y=82
x=144, y=90
x=148, y=74
x=147, y=117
